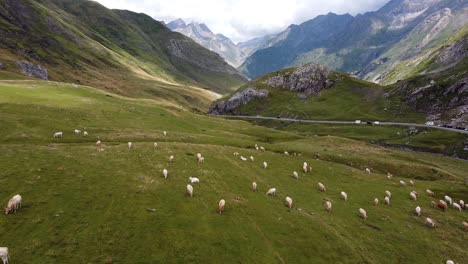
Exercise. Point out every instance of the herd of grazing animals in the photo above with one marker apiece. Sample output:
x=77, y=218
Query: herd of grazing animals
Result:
x=16, y=201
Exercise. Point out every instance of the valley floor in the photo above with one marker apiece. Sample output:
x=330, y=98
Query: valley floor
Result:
x=85, y=206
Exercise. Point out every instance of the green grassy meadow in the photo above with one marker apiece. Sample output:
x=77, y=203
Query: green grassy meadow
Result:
x=85, y=206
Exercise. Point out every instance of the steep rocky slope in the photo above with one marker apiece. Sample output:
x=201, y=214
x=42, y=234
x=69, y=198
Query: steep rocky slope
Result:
x=369, y=45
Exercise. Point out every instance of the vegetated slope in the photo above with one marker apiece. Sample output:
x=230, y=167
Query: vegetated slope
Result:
x=121, y=51
x=81, y=205
x=370, y=44
x=335, y=96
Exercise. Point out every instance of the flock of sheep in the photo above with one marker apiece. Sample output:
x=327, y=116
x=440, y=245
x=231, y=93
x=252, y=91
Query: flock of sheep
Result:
x=15, y=202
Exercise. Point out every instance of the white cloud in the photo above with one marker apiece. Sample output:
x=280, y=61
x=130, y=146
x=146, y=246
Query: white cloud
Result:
x=241, y=20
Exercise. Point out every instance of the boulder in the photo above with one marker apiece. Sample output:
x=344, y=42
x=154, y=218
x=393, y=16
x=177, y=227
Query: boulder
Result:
x=309, y=79
x=32, y=70
x=239, y=98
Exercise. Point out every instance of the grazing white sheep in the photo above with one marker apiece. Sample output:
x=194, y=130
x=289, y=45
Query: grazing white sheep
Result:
x=429, y=192
x=262, y=149
x=328, y=206
x=376, y=201
x=252, y=159
x=190, y=190
x=389, y=176
x=388, y=194
x=171, y=158
x=236, y=154
x=289, y=202
x=4, y=255
x=286, y=153
x=448, y=199
x=201, y=160
x=256, y=147
x=14, y=204
x=272, y=191
x=304, y=169
x=194, y=180
x=402, y=183
x=98, y=143
x=221, y=205
x=129, y=145
x=265, y=164
x=165, y=173
x=305, y=165
x=418, y=210
x=344, y=196
x=462, y=203
x=155, y=145
x=429, y=222
x=295, y=175
x=387, y=200
x=363, y=213
x=165, y=133
x=85, y=134
x=368, y=170
x=322, y=187
x=413, y=196
x=254, y=186
x=411, y=183
x=243, y=158
x=77, y=132
x=58, y=135
x=456, y=207
x=199, y=155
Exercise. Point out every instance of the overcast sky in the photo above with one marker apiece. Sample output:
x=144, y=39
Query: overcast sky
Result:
x=242, y=20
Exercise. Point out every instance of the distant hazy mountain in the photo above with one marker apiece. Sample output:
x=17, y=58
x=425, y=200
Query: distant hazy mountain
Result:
x=225, y=47
x=369, y=45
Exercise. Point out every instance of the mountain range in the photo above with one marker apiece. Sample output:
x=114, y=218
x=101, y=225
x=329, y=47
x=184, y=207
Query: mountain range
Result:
x=370, y=46
x=234, y=54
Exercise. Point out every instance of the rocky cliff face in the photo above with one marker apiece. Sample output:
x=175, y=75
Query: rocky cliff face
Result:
x=442, y=96
x=240, y=98
x=309, y=79
x=32, y=70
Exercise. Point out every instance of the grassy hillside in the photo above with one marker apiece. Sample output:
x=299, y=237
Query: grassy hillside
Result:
x=348, y=99
x=85, y=206
x=123, y=52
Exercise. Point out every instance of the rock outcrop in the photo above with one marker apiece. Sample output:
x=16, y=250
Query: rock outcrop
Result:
x=445, y=105
x=309, y=79
x=240, y=98
x=32, y=70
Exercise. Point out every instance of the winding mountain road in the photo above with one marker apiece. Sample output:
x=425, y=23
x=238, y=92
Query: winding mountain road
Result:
x=345, y=122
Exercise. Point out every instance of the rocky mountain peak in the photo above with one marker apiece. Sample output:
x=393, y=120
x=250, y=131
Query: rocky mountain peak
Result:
x=178, y=23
